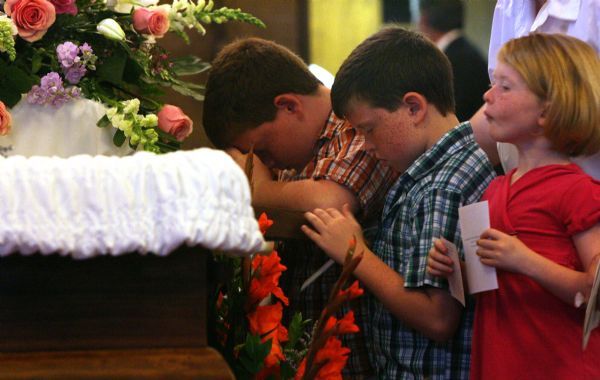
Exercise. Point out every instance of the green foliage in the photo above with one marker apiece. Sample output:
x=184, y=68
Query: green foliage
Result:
x=135, y=67
x=243, y=351
x=251, y=356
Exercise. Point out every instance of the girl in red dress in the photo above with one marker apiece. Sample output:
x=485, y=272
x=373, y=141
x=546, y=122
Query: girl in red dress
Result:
x=545, y=214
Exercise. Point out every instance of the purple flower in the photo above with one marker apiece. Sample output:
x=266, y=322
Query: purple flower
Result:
x=67, y=54
x=86, y=49
x=75, y=60
x=74, y=74
x=52, y=82
x=51, y=91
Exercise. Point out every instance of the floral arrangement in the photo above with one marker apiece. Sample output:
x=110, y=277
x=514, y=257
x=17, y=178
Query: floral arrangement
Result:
x=248, y=314
x=106, y=50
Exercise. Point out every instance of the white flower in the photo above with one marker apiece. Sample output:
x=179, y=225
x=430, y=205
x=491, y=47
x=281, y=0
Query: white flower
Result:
x=6, y=19
x=120, y=6
x=150, y=120
x=131, y=106
x=111, y=112
x=111, y=29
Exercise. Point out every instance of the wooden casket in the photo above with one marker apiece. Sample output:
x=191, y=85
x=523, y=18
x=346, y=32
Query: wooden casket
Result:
x=93, y=310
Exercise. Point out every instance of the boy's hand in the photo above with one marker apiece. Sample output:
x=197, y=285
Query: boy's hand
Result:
x=332, y=230
x=503, y=251
x=438, y=262
x=260, y=172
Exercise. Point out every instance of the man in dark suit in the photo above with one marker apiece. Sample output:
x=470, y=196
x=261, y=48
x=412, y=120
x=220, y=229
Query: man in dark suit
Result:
x=442, y=22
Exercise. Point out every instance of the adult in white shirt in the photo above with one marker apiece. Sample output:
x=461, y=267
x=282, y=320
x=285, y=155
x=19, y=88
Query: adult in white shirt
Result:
x=516, y=18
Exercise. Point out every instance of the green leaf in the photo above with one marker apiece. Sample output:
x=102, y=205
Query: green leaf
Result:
x=111, y=69
x=184, y=89
x=19, y=79
x=286, y=371
x=104, y=122
x=36, y=61
x=119, y=138
x=8, y=96
x=132, y=71
x=250, y=365
x=13, y=82
x=295, y=330
x=189, y=65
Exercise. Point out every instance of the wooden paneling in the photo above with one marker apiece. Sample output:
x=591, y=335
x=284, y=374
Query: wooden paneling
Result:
x=197, y=363
x=132, y=316
x=57, y=303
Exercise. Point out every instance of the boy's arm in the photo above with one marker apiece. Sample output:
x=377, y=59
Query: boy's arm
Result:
x=439, y=264
x=303, y=195
x=431, y=311
x=481, y=132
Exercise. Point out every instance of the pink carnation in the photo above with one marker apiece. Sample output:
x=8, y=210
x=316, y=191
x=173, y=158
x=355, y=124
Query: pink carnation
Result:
x=172, y=120
x=32, y=17
x=154, y=22
x=5, y=120
x=65, y=6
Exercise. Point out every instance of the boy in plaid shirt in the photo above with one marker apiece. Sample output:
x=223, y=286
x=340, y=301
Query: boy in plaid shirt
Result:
x=396, y=89
x=261, y=95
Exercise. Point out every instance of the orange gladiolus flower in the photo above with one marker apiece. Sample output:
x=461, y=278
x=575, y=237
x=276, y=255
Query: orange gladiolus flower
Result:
x=333, y=355
x=265, y=280
x=264, y=223
x=266, y=322
x=265, y=319
x=345, y=325
x=352, y=292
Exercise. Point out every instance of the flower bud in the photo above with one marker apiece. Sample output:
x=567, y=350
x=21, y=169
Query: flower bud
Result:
x=111, y=29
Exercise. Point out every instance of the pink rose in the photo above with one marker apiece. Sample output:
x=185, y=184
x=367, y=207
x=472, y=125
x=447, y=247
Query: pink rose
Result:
x=154, y=22
x=5, y=120
x=32, y=17
x=65, y=6
x=172, y=120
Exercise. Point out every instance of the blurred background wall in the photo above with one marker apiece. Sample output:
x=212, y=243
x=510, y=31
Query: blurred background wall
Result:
x=320, y=31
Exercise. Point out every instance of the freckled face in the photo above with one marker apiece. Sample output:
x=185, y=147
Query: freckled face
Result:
x=512, y=110
x=390, y=135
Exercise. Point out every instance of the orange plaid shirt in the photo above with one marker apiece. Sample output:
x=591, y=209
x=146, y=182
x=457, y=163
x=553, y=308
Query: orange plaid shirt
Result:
x=339, y=157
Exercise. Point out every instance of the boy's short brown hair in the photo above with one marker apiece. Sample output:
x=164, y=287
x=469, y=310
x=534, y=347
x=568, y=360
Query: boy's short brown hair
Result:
x=244, y=80
x=387, y=65
x=565, y=73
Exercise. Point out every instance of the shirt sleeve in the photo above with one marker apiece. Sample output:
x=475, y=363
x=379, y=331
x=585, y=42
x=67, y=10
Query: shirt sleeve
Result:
x=580, y=206
x=347, y=163
x=436, y=216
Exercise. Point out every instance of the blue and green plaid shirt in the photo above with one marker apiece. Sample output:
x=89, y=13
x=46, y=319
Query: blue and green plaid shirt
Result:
x=423, y=205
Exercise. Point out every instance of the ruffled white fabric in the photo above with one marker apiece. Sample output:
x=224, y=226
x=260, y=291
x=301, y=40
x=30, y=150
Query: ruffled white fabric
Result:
x=85, y=206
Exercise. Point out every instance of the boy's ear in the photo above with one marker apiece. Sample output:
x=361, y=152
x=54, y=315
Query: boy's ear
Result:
x=287, y=103
x=417, y=105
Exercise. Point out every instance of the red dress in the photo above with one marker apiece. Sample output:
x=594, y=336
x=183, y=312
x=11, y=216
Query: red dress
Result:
x=521, y=330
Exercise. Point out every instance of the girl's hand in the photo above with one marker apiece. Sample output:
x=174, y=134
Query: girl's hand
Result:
x=503, y=251
x=438, y=262
x=332, y=230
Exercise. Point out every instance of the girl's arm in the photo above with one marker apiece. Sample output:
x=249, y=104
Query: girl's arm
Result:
x=509, y=253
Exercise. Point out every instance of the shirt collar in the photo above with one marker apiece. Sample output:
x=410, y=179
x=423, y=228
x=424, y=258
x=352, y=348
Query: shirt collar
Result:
x=436, y=156
x=567, y=10
x=448, y=38
x=330, y=126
